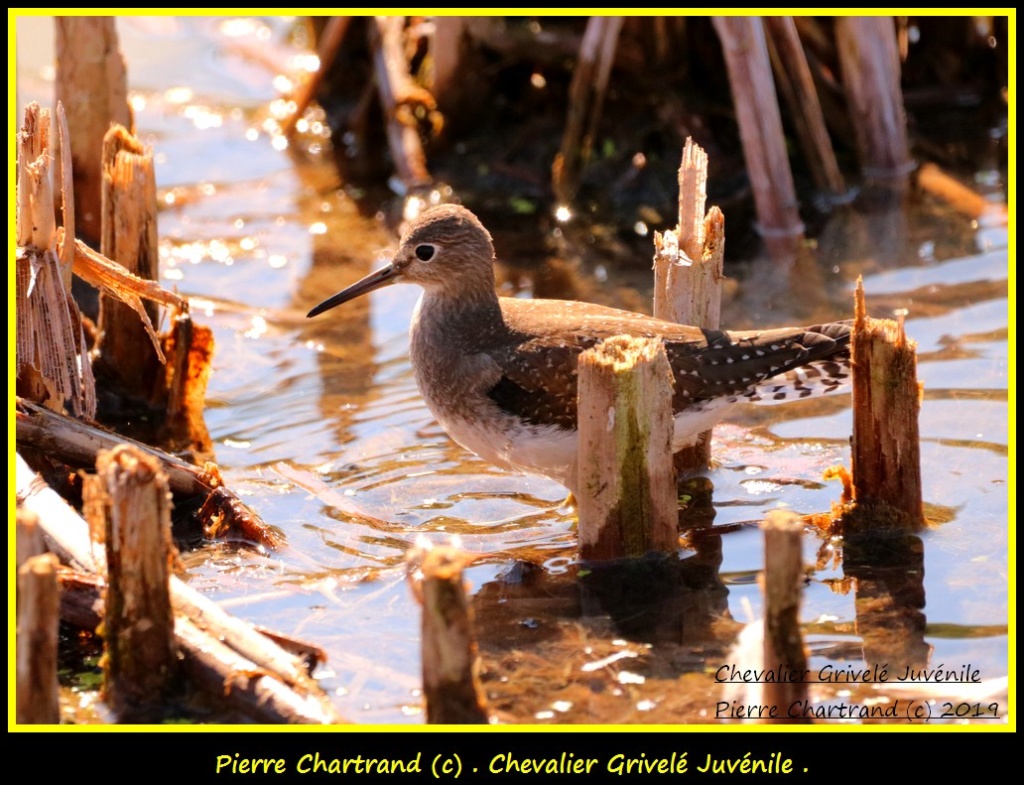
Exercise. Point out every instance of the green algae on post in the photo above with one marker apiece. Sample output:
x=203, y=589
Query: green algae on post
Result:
x=627, y=504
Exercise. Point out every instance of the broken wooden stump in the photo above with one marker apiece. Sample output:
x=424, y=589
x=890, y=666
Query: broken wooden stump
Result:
x=451, y=687
x=38, y=604
x=220, y=653
x=688, y=274
x=130, y=491
x=129, y=237
x=886, y=460
x=783, y=641
x=626, y=483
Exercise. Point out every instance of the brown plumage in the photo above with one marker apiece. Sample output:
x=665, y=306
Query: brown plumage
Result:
x=499, y=374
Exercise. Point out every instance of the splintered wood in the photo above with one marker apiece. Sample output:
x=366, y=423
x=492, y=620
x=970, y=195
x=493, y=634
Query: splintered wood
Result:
x=129, y=237
x=688, y=271
x=451, y=686
x=225, y=655
x=190, y=347
x=53, y=365
x=886, y=441
x=626, y=483
x=688, y=261
x=114, y=280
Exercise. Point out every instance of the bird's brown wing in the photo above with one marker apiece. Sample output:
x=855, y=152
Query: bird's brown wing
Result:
x=538, y=363
x=733, y=363
x=538, y=381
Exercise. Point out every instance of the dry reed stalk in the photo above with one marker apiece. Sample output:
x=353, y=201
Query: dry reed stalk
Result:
x=586, y=99
x=764, y=143
x=91, y=83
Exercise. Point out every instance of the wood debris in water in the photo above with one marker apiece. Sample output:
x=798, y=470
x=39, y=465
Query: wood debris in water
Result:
x=78, y=444
x=38, y=603
x=221, y=653
x=932, y=180
x=128, y=357
x=185, y=376
x=783, y=641
x=886, y=465
x=54, y=366
x=451, y=686
x=91, y=82
x=132, y=359
x=129, y=491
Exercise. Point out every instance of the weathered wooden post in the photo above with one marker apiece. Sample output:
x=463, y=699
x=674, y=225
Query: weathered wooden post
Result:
x=627, y=504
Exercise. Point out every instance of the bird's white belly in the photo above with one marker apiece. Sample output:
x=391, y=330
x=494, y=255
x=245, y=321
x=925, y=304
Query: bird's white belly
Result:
x=553, y=451
x=689, y=425
x=544, y=450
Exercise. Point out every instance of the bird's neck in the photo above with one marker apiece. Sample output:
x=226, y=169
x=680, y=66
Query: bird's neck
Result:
x=463, y=324
x=468, y=309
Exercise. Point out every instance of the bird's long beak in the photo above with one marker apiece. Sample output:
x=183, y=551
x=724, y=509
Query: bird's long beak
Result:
x=375, y=280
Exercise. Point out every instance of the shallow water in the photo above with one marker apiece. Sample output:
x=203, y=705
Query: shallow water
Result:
x=307, y=417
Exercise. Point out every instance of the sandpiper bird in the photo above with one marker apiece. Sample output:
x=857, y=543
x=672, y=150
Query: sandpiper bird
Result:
x=499, y=373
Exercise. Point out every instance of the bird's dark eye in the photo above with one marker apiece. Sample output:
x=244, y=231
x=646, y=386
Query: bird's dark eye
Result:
x=425, y=252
